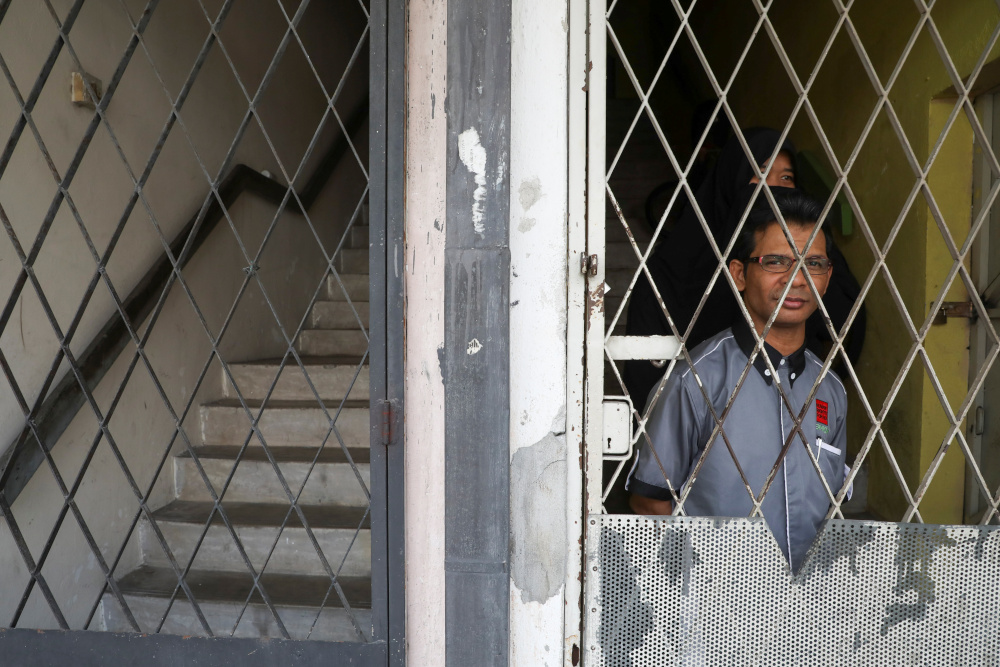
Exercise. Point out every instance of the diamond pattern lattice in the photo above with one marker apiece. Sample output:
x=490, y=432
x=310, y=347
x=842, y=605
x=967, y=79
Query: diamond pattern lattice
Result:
x=894, y=116
x=185, y=340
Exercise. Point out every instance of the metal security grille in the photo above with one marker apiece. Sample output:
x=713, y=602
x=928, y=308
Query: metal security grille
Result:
x=196, y=407
x=640, y=607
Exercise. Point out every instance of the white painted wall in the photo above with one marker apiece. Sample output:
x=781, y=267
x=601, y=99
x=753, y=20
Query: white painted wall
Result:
x=426, y=137
x=290, y=268
x=538, y=330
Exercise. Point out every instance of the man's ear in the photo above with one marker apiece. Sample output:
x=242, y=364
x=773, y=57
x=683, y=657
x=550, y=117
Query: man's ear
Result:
x=736, y=270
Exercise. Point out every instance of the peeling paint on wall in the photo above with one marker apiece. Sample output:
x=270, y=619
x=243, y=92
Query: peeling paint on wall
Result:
x=473, y=156
x=540, y=559
x=441, y=366
x=529, y=192
x=538, y=516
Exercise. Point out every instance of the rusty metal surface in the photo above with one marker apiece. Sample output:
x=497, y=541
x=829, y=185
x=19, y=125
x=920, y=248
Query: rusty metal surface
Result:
x=708, y=591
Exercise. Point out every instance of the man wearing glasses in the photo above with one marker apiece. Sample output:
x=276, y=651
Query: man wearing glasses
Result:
x=759, y=422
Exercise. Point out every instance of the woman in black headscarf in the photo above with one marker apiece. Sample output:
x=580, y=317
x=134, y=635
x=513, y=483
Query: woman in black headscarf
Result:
x=683, y=263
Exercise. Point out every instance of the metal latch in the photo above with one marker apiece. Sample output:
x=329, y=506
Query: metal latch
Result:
x=617, y=426
x=78, y=94
x=386, y=422
x=588, y=264
x=960, y=309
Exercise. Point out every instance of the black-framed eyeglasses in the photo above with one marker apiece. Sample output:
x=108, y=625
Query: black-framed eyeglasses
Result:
x=781, y=263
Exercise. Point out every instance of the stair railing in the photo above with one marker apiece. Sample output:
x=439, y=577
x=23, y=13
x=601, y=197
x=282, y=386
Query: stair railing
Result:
x=57, y=411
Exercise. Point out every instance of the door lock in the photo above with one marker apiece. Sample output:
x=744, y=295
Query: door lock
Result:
x=959, y=309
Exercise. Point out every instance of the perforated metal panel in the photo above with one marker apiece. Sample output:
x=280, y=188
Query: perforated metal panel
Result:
x=704, y=591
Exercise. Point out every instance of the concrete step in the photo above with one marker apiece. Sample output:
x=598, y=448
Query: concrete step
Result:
x=646, y=168
x=221, y=598
x=357, y=237
x=618, y=281
x=332, y=377
x=338, y=315
x=352, y=260
x=285, y=423
x=354, y=284
x=612, y=386
x=643, y=146
x=333, y=480
x=611, y=305
x=329, y=342
x=615, y=232
x=619, y=329
x=343, y=535
x=633, y=208
x=621, y=255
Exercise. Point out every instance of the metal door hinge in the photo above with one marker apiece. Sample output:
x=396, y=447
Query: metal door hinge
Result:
x=960, y=309
x=386, y=429
x=588, y=264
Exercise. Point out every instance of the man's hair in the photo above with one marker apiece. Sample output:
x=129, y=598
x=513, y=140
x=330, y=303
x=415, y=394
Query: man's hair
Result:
x=796, y=207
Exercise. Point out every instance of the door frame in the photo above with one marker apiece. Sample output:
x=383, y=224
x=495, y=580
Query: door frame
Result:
x=987, y=107
x=387, y=118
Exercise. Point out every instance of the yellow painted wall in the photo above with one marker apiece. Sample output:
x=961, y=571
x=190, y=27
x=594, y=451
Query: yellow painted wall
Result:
x=843, y=99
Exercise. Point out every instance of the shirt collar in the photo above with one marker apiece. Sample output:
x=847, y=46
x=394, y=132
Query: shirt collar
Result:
x=796, y=361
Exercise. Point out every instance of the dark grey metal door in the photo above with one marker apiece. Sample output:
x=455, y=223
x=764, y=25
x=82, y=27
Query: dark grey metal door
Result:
x=200, y=428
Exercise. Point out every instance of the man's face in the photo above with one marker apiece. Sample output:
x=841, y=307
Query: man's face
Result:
x=761, y=289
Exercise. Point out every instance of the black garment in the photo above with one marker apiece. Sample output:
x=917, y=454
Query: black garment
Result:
x=841, y=293
x=683, y=263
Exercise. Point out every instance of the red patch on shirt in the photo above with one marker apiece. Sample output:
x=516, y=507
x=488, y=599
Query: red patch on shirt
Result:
x=821, y=412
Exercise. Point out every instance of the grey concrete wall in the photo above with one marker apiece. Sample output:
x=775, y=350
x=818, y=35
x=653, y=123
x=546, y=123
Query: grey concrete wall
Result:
x=290, y=268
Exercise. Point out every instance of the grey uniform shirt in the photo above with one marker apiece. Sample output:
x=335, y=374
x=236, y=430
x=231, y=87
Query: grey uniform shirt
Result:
x=680, y=427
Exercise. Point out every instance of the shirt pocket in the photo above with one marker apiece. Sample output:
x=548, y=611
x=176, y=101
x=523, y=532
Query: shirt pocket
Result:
x=830, y=458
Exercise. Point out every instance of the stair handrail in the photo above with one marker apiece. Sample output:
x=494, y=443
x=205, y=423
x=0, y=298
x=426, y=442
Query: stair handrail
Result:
x=21, y=460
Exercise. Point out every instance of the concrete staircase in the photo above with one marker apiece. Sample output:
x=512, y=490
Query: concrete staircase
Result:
x=642, y=167
x=333, y=500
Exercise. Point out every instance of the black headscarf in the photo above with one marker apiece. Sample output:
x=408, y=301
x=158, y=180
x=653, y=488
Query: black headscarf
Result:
x=683, y=263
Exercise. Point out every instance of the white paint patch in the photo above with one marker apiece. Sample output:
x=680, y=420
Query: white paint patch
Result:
x=501, y=172
x=473, y=347
x=473, y=156
x=530, y=192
